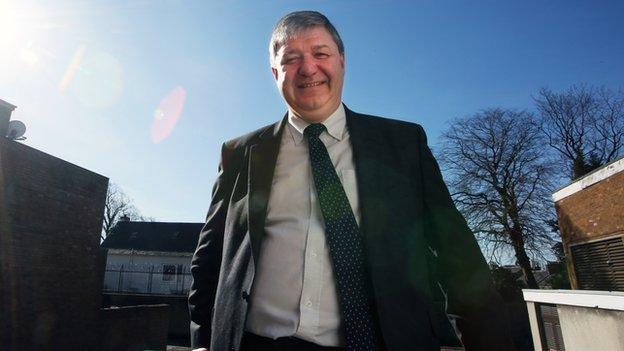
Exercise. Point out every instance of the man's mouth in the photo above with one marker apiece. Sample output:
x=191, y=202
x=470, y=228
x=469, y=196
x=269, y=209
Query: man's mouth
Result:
x=311, y=84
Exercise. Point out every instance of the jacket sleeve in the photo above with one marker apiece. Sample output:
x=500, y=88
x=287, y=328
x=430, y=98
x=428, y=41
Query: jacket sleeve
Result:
x=460, y=266
x=206, y=262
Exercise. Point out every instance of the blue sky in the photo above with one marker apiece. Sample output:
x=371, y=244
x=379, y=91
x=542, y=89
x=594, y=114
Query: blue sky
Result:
x=100, y=83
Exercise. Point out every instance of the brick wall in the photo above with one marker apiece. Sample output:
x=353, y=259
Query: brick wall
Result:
x=592, y=213
x=134, y=328
x=50, y=264
x=179, y=320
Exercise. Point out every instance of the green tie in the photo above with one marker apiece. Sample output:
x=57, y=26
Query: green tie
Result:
x=346, y=248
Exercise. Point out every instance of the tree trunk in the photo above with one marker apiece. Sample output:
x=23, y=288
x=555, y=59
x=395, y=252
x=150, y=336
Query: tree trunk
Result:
x=523, y=260
x=515, y=234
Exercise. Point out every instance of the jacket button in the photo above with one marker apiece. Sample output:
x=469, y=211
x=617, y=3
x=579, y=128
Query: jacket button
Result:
x=245, y=296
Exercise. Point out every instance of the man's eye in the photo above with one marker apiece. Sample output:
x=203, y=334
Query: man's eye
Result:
x=321, y=55
x=288, y=60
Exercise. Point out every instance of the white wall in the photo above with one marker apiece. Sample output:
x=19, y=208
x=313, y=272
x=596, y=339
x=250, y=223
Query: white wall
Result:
x=591, y=328
x=589, y=320
x=142, y=272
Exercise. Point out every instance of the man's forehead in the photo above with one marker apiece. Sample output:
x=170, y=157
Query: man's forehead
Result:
x=318, y=36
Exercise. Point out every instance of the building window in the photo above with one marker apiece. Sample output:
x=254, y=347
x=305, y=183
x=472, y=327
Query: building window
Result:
x=169, y=271
x=599, y=265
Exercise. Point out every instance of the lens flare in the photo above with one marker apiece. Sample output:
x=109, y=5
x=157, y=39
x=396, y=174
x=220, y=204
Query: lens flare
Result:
x=29, y=57
x=167, y=114
x=74, y=66
x=97, y=80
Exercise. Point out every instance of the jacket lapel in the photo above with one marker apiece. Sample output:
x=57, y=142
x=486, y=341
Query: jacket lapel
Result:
x=262, y=159
x=368, y=149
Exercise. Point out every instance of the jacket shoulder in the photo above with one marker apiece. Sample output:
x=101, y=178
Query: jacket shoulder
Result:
x=251, y=137
x=389, y=126
x=385, y=122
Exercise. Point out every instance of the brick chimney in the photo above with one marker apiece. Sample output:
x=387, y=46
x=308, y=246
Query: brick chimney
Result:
x=5, y=117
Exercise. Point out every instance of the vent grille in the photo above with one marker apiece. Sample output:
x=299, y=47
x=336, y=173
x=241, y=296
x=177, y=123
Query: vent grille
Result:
x=552, y=339
x=599, y=265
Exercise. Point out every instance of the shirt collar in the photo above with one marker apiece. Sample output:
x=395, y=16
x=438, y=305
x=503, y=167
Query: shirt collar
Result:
x=336, y=125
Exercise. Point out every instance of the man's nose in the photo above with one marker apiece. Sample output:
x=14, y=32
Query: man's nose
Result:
x=308, y=66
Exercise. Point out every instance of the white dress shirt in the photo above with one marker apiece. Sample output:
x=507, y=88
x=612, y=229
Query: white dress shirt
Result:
x=294, y=291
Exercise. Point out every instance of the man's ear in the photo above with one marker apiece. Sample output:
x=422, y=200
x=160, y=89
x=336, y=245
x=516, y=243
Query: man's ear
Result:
x=274, y=71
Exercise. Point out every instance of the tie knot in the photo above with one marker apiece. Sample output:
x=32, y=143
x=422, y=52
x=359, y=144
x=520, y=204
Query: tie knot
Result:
x=314, y=130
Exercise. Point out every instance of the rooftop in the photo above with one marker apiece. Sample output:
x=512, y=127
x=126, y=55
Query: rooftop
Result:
x=154, y=236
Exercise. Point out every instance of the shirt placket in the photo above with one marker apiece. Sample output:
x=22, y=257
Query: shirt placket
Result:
x=313, y=269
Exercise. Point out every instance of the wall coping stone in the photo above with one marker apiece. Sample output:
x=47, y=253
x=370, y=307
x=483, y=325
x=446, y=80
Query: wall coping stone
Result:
x=590, y=179
x=609, y=300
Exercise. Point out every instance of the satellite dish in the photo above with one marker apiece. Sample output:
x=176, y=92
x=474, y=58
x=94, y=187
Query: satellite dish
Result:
x=16, y=130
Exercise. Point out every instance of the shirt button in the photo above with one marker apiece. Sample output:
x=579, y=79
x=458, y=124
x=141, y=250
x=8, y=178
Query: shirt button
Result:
x=314, y=254
x=308, y=304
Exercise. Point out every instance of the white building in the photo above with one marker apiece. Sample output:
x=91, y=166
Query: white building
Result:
x=150, y=257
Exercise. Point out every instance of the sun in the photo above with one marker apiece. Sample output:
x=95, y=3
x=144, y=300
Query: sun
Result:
x=17, y=34
x=25, y=34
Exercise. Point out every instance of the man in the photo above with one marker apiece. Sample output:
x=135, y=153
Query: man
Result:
x=334, y=230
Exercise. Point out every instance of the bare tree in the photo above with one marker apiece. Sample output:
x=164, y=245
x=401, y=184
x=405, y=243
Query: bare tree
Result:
x=585, y=125
x=117, y=205
x=499, y=177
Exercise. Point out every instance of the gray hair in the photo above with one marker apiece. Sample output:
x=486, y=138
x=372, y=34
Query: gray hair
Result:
x=294, y=23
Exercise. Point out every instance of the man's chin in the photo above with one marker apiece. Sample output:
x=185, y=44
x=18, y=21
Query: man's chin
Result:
x=309, y=105
x=313, y=115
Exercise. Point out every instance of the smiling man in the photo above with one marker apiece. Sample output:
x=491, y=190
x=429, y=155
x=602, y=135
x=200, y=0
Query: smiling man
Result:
x=309, y=71
x=333, y=230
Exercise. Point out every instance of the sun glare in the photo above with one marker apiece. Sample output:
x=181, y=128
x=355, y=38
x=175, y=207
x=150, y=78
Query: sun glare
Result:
x=18, y=35
x=9, y=24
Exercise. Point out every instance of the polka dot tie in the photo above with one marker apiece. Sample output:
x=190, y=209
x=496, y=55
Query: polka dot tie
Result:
x=345, y=248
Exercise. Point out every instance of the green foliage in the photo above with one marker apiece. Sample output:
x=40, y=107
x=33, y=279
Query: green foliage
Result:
x=508, y=284
x=558, y=270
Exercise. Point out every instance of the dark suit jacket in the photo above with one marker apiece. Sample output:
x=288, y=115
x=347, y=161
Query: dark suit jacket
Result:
x=424, y=261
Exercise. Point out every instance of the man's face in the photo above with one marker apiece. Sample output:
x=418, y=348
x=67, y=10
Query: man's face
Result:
x=309, y=72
